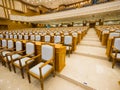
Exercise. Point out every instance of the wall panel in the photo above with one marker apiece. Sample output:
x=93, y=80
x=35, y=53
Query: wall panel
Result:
x=2, y=12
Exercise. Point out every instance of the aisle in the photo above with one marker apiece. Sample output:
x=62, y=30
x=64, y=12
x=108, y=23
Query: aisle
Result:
x=90, y=45
x=89, y=65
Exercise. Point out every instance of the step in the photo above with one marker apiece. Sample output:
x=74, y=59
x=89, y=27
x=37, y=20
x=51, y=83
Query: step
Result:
x=90, y=43
x=90, y=50
x=93, y=72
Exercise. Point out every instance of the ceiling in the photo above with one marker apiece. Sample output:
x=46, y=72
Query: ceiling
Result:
x=51, y=3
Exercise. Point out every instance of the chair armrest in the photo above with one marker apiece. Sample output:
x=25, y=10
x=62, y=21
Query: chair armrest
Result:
x=40, y=68
x=2, y=47
x=45, y=64
x=116, y=50
x=28, y=55
x=23, y=56
x=15, y=52
x=32, y=58
x=6, y=49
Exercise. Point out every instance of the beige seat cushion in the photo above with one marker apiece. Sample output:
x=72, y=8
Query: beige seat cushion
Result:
x=45, y=69
x=23, y=60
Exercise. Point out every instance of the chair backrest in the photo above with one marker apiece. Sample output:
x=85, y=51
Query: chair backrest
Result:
x=7, y=36
x=26, y=37
x=117, y=43
x=37, y=37
x=4, y=43
x=32, y=37
x=118, y=31
x=51, y=33
x=57, y=39
x=10, y=44
x=30, y=48
x=30, y=33
x=15, y=36
x=114, y=34
x=105, y=31
x=68, y=40
x=1, y=35
x=75, y=34
x=19, y=45
x=47, y=52
x=66, y=33
x=47, y=38
x=11, y=36
x=20, y=36
x=57, y=33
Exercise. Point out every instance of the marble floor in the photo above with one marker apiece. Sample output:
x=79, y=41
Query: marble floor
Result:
x=89, y=64
x=87, y=68
x=13, y=81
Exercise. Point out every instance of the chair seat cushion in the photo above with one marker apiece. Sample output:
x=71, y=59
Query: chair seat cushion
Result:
x=14, y=56
x=5, y=52
x=45, y=69
x=118, y=55
x=23, y=60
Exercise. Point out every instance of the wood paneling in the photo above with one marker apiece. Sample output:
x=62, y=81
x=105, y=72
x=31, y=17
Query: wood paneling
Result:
x=2, y=12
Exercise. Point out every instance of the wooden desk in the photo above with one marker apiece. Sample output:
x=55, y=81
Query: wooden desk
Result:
x=105, y=38
x=74, y=43
x=100, y=35
x=109, y=46
x=79, y=38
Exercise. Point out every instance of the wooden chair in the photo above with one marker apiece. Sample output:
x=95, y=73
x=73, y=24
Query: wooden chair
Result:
x=15, y=36
x=57, y=39
x=57, y=33
x=37, y=38
x=15, y=54
x=8, y=49
x=109, y=42
x=11, y=36
x=3, y=43
x=1, y=36
x=68, y=41
x=26, y=37
x=7, y=36
x=115, y=53
x=114, y=34
x=7, y=44
x=20, y=36
x=46, y=65
x=20, y=62
x=75, y=34
x=47, y=38
x=32, y=37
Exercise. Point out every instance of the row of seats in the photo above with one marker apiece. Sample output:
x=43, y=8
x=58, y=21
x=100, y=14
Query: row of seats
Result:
x=67, y=41
x=106, y=29
x=42, y=38
x=45, y=30
x=25, y=58
x=110, y=37
x=29, y=33
x=68, y=38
